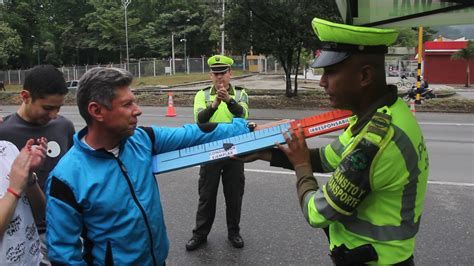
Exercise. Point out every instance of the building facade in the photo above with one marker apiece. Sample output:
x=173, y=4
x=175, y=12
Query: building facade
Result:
x=439, y=68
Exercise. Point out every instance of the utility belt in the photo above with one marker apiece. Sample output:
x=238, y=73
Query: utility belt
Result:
x=342, y=256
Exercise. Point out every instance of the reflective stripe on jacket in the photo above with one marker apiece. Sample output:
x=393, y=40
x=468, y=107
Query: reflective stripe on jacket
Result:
x=377, y=191
x=205, y=97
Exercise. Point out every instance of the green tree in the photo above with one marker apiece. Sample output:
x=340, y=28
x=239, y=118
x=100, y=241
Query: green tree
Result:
x=280, y=28
x=466, y=54
x=105, y=32
x=24, y=17
x=10, y=44
x=64, y=34
x=93, y=31
x=407, y=38
x=181, y=23
x=190, y=21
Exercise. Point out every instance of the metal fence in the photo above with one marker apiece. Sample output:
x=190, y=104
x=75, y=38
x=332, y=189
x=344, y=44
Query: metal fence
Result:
x=155, y=67
x=151, y=67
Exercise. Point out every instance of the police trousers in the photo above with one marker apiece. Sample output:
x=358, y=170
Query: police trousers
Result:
x=233, y=182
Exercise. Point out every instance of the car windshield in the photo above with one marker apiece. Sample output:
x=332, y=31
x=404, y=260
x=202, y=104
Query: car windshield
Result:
x=72, y=83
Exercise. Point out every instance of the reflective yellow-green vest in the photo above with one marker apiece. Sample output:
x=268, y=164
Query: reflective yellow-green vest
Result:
x=374, y=197
x=205, y=97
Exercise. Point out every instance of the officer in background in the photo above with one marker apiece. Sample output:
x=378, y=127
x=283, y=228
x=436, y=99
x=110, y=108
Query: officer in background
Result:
x=220, y=103
x=371, y=206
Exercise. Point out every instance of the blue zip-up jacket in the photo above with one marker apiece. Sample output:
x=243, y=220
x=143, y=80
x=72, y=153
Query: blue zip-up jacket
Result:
x=114, y=203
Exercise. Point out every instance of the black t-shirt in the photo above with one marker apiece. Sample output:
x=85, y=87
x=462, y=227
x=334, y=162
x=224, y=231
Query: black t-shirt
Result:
x=59, y=133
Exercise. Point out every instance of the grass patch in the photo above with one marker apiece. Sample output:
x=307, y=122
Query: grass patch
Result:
x=13, y=87
x=177, y=79
x=449, y=105
x=153, y=81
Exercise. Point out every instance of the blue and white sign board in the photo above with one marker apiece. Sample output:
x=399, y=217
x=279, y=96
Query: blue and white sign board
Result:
x=219, y=150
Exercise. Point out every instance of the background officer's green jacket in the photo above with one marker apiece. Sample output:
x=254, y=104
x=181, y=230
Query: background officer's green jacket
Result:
x=205, y=97
x=375, y=196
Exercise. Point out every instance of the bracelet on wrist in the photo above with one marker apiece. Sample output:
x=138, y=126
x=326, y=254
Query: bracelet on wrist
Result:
x=13, y=193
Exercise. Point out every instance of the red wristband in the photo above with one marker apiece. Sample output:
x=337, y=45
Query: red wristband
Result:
x=13, y=193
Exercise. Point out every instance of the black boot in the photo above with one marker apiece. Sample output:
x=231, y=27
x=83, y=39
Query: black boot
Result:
x=236, y=241
x=195, y=242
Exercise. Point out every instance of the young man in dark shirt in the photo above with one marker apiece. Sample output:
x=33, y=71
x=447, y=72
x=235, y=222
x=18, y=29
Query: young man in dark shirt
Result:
x=43, y=94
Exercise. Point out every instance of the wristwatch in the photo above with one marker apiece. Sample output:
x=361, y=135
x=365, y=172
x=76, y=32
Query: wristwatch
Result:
x=251, y=126
x=33, y=179
x=231, y=102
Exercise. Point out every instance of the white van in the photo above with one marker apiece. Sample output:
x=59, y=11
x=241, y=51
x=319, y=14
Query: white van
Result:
x=72, y=86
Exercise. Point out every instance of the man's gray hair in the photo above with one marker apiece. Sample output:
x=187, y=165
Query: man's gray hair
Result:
x=99, y=85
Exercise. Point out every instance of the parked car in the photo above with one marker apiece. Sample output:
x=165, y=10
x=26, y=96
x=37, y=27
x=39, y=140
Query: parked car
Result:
x=72, y=86
x=393, y=73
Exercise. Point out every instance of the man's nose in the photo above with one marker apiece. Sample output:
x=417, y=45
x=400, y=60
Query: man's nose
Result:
x=137, y=111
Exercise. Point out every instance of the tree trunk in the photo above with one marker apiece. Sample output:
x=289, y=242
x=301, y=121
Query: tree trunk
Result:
x=295, y=91
x=298, y=53
x=287, y=68
x=288, y=91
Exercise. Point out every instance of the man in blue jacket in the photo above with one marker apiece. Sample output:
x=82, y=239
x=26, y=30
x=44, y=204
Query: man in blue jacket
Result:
x=103, y=190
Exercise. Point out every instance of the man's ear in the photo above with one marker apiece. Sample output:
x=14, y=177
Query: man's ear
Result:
x=96, y=111
x=25, y=96
x=367, y=75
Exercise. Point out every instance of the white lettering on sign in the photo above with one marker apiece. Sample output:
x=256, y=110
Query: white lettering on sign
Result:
x=327, y=126
x=222, y=153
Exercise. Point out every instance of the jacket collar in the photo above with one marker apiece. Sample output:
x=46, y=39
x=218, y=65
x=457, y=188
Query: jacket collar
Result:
x=101, y=152
x=387, y=99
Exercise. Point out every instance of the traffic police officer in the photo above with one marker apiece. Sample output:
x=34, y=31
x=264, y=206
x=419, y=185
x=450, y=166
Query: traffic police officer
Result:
x=218, y=103
x=371, y=206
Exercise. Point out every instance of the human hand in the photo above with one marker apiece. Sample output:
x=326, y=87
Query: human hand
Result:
x=215, y=103
x=296, y=150
x=265, y=155
x=223, y=93
x=20, y=170
x=38, y=152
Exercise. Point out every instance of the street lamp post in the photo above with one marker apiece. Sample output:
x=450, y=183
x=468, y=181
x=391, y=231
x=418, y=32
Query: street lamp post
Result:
x=38, y=48
x=185, y=58
x=222, y=28
x=125, y=4
x=173, y=70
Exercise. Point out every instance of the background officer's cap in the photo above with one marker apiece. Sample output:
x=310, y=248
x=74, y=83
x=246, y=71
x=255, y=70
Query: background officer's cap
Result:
x=219, y=63
x=339, y=41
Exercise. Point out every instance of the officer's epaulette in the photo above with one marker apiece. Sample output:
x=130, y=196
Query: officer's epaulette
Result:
x=239, y=88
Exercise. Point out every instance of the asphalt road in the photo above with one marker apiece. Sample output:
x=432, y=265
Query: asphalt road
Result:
x=272, y=225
